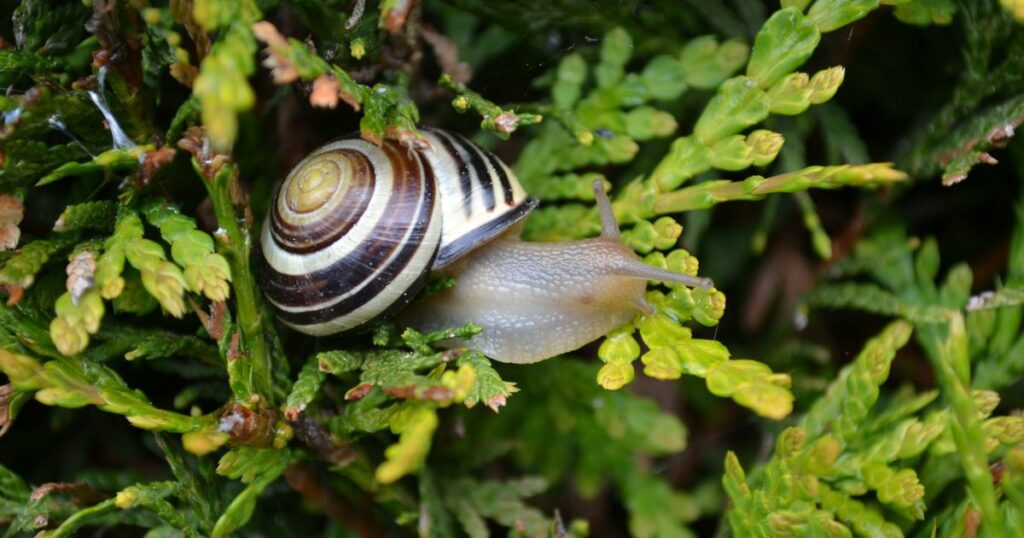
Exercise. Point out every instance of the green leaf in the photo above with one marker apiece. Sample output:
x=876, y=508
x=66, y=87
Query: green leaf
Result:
x=93, y=215
x=76, y=382
x=488, y=386
x=686, y=158
x=615, y=375
x=832, y=14
x=752, y=384
x=926, y=12
x=698, y=356
x=112, y=161
x=784, y=43
x=707, y=63
x=569, y=79
x=660, y=331
x=13, y=490
x=79, y=518
x=655, y=509
x=616, y=50
x=871, y=298
x=306, y=387
x=258, y=468
x=43, y=28
x=1001, y=298
x=240, y=510
x=415, y=425
x=21, y=269
x=738, y=104
x=645, y=123
x=205, y=271
x=213, y=14
x=472, y=502
x=664, y=77
x=222, y=86
x=434, y=518
x=152, y=497
x=249, y=464
x=845, y=405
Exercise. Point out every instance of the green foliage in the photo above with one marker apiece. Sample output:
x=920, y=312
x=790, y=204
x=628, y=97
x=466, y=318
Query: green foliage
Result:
x=907, y=282
x=221, y=86
x=75, y=383
x=985, y=107
x=141, y=144
x=205, y=272
x=495, y=119
x=821, y=466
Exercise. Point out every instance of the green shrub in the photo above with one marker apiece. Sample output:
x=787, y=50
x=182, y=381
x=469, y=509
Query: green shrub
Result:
x=141, y=143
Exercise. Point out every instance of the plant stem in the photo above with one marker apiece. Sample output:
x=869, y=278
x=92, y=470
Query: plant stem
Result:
x=77, y=519
x=235, y=244
x=946, y=350
x=501, y=121
x=710, y=193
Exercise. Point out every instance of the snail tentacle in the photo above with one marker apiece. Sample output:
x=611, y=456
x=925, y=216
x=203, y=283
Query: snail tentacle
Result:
x=609, y=226
x=631, y=265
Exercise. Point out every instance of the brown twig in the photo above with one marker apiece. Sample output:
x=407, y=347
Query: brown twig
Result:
x=356, y=516
x=319, y=440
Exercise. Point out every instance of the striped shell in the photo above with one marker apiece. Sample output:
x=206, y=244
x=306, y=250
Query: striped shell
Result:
x=356, y=228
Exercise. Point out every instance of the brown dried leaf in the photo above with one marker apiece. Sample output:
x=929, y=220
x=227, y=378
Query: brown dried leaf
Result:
x=1002, y=134
x=153, y=161
x=269, y=34
x=395, y=18
x=14, y=293
x=247, y=427
x=326, y=92
x=184, y=73
x=112, y=23
x=218, y=311
x=195, y=142
x=506, y=122
x=6, y=398
x=280, y=67
x=986, y=158
x=357, y=392
x=81, y=274
x=234, y=347
x=497, y=402
x=972, y=520
x=181, y=11
x=11, y=213
x=80, y=492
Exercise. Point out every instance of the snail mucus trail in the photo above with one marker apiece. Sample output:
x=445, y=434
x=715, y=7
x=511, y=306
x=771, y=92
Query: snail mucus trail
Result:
x=355, y=229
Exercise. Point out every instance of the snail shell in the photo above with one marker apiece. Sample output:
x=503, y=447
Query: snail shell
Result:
x=355, y=228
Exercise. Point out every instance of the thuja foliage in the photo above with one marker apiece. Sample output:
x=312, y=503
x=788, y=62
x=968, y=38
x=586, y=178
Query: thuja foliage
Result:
x=140, y=145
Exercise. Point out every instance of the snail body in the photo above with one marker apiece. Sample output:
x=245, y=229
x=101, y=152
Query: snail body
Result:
x=355, y=229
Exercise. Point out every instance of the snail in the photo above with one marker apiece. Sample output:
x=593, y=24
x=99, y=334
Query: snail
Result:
x=356, y=228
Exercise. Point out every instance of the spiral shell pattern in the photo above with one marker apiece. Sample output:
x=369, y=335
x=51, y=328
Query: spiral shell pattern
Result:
x=355, y=228
x=349, y=235
x=480, y=196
